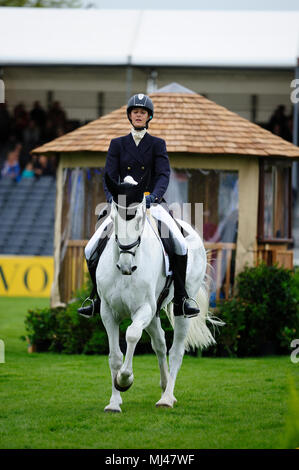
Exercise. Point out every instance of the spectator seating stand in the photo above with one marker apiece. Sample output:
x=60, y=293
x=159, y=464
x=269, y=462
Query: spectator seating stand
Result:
x=27, y=211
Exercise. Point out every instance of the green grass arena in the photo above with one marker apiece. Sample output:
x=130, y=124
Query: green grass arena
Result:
x=55, y=401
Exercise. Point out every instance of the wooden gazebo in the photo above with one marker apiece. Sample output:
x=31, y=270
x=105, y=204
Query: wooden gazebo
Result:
x=217, y=157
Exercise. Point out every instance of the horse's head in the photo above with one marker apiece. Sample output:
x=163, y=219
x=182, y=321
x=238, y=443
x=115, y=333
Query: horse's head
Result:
x=128, y=212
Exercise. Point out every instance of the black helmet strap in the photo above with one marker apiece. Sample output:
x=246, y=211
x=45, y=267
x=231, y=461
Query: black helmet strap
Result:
x=146, y=124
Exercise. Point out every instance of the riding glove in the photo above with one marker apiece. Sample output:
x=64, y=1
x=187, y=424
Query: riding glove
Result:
x=150, y=199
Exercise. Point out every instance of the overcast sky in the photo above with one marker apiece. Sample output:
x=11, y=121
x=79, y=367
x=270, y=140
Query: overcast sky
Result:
x=195, y=4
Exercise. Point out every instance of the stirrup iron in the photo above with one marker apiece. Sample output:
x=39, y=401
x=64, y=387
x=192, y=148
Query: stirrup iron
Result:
x=92, y=313
x=186, y=299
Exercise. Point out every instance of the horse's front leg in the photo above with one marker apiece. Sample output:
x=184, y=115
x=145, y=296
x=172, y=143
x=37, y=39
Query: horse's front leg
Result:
x=115, y=354
x=140, y=320
x=176, y=354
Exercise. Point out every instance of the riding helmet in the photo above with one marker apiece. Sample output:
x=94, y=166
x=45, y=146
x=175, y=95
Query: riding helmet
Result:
x=142, y=101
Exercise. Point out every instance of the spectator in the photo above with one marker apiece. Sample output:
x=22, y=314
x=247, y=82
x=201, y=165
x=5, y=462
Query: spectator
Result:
x=11, y=168
x=43, y=167
x=38, y=115
x=31, y=135
x=276, y=129
x=60, y=131
x=4, y=123
x=28, y=171
x=23, y=156
x=278, y=117
x=18, y=149
x=52, y=159
x=21, y=120
x=57, y=115
x=289, y=128
x=35, y=162
x=50, y=131
x=31, y=129
x=281, y=124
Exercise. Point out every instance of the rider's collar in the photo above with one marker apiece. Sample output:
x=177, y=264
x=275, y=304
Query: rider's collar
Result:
x=138, y=134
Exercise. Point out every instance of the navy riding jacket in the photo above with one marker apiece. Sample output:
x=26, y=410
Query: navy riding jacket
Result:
x=126, y=158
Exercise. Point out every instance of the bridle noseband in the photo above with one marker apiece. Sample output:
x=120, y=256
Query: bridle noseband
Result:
x=127, y=248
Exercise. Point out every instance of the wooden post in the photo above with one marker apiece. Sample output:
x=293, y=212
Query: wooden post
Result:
x=55, y=294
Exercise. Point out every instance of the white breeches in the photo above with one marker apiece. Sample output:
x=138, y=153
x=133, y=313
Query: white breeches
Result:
x=95, y=238
x=159, y=213
x=179, y=242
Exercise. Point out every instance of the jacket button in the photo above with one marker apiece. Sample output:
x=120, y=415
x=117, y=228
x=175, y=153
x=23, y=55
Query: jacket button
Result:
x=142, y=168
x=129, y=168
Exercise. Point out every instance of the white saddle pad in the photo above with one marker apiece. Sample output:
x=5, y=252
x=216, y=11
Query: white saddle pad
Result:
x=153, y=226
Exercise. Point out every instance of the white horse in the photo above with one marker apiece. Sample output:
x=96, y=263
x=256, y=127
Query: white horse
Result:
x=130, y=277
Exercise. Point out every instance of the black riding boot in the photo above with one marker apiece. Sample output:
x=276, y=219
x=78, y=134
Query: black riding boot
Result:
x=92, y=264
x=95, y=305
x=181, y=302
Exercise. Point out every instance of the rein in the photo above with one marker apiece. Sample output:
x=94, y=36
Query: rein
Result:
x=126, y=213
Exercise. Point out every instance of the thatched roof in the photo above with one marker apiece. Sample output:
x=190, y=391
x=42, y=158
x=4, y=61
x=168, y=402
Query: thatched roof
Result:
x=188, y=122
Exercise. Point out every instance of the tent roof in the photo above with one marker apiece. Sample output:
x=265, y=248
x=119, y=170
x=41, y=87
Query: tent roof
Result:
x=188, y=122
x=175, y=88
x=149, y=37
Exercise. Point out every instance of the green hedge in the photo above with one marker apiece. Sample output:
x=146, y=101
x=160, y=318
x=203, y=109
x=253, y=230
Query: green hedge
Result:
x=263, y=318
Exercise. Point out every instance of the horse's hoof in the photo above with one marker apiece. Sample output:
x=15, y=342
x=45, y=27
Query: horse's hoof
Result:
x=123, y=388
x=112, y=409
x=164, y=404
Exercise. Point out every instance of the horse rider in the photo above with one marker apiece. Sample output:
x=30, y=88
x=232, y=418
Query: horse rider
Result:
x=137, y=154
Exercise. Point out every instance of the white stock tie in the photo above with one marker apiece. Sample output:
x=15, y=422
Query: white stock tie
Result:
x=138, y=135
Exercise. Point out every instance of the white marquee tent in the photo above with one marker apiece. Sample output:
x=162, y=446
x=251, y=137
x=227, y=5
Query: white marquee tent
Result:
x=40, y=36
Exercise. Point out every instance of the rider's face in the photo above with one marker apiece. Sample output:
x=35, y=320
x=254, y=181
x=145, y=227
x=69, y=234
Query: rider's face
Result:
x=139, y=116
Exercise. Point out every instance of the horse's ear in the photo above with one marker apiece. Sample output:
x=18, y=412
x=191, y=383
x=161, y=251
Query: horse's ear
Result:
x=112, y=186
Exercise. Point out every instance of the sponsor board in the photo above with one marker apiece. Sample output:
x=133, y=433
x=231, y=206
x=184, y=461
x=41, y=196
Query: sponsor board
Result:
x=26, y=276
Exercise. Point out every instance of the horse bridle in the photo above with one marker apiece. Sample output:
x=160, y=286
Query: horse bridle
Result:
x=127, y=248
